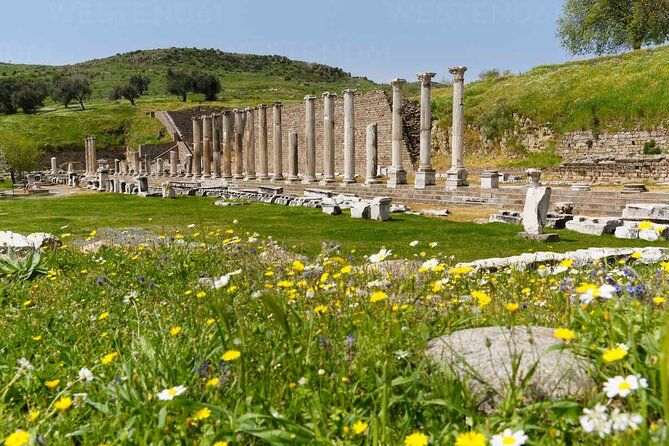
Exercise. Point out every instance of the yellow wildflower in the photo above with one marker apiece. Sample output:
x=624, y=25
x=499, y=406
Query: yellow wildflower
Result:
x=63, y=404
x=563, y=333
x=482, y=298
x=416, y=439
x=359, y=427
x=52, y=384
x=106, y=359
x=320, y=309
x=470, y=439
x=298, y=266
x=377, y=296
x=176, y=330
x=615, y=354
x=213, y=382
x=202, y=414
x=32, y=416
x=512, y=307
x=231, y=355
x=18, y=438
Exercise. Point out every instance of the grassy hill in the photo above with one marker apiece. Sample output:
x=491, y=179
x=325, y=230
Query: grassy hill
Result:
x=614, y=92
x=246, y=79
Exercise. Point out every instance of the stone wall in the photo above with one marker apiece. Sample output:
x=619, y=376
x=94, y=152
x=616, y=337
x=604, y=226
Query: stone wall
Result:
x=619, y=170
x=155, y=150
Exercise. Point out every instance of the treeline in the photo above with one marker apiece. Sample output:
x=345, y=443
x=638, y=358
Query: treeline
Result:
x=29, y=95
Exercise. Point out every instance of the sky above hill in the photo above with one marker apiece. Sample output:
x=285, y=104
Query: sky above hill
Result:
x=380, y=39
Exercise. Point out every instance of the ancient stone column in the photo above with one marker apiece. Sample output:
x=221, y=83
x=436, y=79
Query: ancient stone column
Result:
x=371, y=166
x=239, y=144
x=251, y=146
x=227, y=144
x=206, y=146
x=349, y=136
x=262, y=123
x=292, y=158
x=396, y=174
x=93, y=155
x=197, y=147
x=54, y=166
x=216, y=145
x=174, y=159
x=160, y=167
x=70, y=167
x=87, y=162
x=310, y=118
x=276, y=140
x=457, y=174
x=117, y=167
x=189, y=165
x=426, y=176
x=136, y=163
x=328, y=138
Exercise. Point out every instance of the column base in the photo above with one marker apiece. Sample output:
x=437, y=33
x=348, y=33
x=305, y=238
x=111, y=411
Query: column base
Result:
x=249, y=178
x=326, y=181
x=309, y=181
x=227, y=177
x=238, y=176
x=456, y=177
x=397, y=177
x=215, y=176
x=277, y=178
x=372, y=181
x=293, y=180
x=425, y=178
x=263, y=177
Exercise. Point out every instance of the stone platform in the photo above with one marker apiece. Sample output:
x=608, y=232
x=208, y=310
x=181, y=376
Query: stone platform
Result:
x=593, y=203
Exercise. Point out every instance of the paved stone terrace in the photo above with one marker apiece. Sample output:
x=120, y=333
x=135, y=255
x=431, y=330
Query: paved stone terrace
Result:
x=591, y=203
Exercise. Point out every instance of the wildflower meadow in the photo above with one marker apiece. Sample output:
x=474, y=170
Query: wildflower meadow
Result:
x=220, y=336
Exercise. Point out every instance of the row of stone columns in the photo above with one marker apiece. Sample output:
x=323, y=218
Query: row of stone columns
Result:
x=215, y=136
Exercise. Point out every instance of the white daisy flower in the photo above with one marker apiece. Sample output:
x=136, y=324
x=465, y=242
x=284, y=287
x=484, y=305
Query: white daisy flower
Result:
x=509, y=438
x=379, y=256
x=169, y=394
x=621, y=386
x=85, y=375
x=596, y=421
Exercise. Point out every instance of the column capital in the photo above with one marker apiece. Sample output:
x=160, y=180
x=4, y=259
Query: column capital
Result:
x=426, y=78
x=195, y=118
x=329, y=94
x=398, y=83
x=261, y=106
x=349, y=91
x=310, y=97
x=249, y=109
x=226, y=112
x=458, y=73
x=277, y=104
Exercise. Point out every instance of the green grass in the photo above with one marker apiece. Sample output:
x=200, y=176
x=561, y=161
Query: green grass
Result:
x=327, y=351
x=299, y=229
x=614, y=92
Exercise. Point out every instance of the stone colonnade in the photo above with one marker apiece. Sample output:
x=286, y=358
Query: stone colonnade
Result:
x=218, y=136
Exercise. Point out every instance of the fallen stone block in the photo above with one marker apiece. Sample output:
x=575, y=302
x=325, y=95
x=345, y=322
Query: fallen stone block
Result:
x=593, y=226
x=361, y=210
x=647, y=211
x=505, y=216
x=380, y=208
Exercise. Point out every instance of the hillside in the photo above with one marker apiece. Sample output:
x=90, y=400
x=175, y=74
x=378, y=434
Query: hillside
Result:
x=245, y=79
x=621, y=92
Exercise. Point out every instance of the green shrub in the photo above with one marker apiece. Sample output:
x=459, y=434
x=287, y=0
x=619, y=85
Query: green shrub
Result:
x=651, y=148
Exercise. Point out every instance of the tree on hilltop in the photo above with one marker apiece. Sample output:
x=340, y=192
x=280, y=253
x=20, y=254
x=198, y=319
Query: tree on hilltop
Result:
x=179, y=83
x=207, y=84
x=71, y=88
x=610, y=26
x=131, y=90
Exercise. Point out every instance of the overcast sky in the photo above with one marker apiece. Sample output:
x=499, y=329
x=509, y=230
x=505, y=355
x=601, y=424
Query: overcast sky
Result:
x=378, y=39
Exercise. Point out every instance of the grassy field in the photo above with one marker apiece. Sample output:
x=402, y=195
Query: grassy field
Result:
x=216, y=344
x=299, y=229
x=613, y=92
